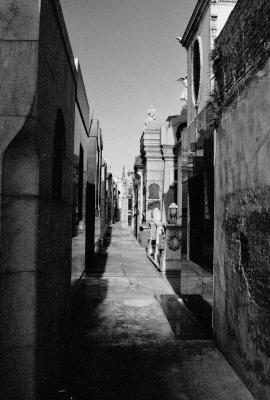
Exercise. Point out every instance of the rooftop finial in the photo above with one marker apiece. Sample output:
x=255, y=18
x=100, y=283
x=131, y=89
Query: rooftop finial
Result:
x=123, y=173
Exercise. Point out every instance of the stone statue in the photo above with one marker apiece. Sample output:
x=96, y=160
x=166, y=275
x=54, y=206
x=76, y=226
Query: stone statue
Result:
x=184, y=82
x=157, y=214
x=151, y=116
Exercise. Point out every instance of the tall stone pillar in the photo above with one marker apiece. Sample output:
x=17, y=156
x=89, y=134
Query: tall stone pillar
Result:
x=153, y=169
x=91, y=189
x=179, y=200
x=170, y=162
x=159, y=242
x=124, y=213
x=103, y=205
x=140, y=198
x=138, y=195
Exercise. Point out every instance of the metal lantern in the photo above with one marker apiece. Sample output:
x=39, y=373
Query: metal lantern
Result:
x=173, y=213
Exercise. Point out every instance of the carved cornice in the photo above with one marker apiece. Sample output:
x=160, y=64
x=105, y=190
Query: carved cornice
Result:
x=167, y=151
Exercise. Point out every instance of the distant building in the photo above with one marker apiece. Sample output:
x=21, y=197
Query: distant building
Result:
x=138, y=216
x=155, y=185
x=125, y=197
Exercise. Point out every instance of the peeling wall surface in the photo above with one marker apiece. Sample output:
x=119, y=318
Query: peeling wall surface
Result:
x=242, y=200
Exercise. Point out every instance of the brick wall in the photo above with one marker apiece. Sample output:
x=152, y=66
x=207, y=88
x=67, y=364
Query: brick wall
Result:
x=242, y=194
x=242, y=48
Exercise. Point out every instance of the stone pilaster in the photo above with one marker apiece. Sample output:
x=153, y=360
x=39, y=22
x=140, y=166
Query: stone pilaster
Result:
x=159, y=242
x=172, y=248
x=170, y=161
x=153, y=169
x=179, y=202
x=152, y=241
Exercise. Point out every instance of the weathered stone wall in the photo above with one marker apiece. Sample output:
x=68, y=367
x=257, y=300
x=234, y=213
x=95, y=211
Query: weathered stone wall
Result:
x=38, y=86
x=56, y=91
x=93, y=189
x=238, y=57
x=242, y=195
x=80, y=165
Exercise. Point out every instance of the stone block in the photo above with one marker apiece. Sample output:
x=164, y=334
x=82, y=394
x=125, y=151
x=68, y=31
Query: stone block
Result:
x=17, y=310
x=159, y=242
x=17, y=376
x=9, y=127
x=20, y=168
x=152, y=241
x=144, y=235
x=19, y=238
x=20, y=82
x=172, y=247
x=19, y=19
x=54, y=232
x=53, y=290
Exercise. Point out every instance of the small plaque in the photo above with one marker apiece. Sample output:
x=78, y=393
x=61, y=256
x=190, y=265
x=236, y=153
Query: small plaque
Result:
x=153, y=191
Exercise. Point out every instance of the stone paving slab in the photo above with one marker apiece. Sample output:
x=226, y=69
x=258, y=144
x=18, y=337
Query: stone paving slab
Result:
x=118, y=321
x=205, y=374
x=130, y=337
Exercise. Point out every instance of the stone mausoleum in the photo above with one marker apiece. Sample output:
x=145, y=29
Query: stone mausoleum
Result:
x=155, y=189
x=50, y=184
x=195, y=144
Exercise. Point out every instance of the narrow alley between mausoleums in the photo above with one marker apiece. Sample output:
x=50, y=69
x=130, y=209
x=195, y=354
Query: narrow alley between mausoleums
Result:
x=133, y=338
x=134, y=200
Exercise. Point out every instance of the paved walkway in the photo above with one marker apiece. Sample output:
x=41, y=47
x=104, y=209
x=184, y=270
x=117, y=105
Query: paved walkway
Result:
x=133, y=339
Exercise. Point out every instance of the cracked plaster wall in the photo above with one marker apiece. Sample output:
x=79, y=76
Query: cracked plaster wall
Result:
x=242, y=234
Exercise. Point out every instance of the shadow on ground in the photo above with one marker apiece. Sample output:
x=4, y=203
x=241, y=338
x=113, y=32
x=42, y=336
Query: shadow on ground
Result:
x=133, y=373
x=81, y=314
x=120, y=373
x=201, y=310
x=185, y=324
x=104, y=371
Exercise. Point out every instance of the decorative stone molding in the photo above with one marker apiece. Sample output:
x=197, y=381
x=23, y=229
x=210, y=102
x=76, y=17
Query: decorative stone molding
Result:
x=174, y=241
x=172, y=247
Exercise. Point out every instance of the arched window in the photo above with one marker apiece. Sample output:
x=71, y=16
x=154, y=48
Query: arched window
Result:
x=197, y=69
x=58, y=156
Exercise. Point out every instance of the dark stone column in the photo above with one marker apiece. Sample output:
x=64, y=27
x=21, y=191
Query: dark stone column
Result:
x=90, y=203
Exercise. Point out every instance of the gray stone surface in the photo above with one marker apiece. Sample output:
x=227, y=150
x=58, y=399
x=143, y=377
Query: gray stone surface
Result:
x=131, y=336
x=37, y=82
x=242, y=198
